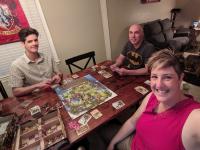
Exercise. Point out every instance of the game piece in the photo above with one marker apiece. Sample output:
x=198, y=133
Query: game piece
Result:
x=82, y=129
x=141, y=90
x=75, y=76
x=73, y=125
x=96, y=113
x=118, y=104
x=84, y=119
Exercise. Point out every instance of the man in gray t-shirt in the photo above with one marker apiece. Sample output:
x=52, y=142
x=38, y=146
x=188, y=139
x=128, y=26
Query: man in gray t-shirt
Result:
x=135, y=54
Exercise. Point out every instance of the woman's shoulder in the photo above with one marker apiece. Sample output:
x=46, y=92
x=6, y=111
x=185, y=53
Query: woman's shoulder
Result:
x=191, y=132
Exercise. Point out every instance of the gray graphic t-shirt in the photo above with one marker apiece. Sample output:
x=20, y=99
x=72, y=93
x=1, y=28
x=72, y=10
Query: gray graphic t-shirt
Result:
x=137, y=58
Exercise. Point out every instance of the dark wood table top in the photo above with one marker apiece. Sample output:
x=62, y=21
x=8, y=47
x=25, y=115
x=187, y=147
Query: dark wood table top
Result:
x=122, y=86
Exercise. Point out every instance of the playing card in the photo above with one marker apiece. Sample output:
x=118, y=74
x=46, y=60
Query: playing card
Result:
x=147, y=82
x=101, y=72
x=75, y=76
x=82, y=129
x=141, y=90
x=103, y=67
x=107, y=75
x=67, y=80
x=118, y=104
x=85, y=119
x=73, y=125
x=96, y=113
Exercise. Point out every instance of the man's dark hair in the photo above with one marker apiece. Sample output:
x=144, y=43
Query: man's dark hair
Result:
x=23, y=33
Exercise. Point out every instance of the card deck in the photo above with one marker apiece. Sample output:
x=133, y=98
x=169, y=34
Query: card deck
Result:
x=85, y=119
x=96, y=113
x=141, y=90
x=118, y=104
x=82, y=129
x=75, y=76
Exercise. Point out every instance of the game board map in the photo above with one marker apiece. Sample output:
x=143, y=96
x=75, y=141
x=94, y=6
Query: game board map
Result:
x=83, y=94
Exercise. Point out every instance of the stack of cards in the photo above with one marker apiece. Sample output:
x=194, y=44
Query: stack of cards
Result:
x=118, y=104
x=141, y=90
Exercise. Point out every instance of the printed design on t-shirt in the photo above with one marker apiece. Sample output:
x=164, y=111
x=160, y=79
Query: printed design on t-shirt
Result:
x=134, y=59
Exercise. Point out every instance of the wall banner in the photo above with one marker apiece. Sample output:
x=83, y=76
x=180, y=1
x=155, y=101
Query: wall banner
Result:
x=12, y=19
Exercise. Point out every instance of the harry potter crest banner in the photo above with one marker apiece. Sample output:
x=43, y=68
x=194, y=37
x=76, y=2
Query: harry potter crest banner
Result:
x=12, y=19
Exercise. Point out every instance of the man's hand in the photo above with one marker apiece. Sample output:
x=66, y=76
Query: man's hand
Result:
x=114, y=67
x=44, y=84
x=121, y=71
x=56, y=79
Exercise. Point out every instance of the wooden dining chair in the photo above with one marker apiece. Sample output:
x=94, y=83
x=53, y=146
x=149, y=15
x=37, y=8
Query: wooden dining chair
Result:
x=3, y=91
x=71, y=61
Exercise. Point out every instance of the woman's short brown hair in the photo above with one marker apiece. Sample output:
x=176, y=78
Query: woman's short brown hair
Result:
x=166, y=58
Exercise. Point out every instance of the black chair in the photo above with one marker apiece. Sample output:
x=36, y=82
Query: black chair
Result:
x=71, y=61
x=3, y=91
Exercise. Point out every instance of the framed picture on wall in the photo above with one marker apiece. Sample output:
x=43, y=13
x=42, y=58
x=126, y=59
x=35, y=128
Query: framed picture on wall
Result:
x=149, y=1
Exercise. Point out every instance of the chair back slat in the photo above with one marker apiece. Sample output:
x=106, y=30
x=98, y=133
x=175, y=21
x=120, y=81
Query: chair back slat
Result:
x=3, y=91
x=71, y=61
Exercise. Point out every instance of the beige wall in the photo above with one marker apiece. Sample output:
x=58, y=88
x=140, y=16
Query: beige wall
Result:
x=75, y=27
x=189, y=12
x=123, y=13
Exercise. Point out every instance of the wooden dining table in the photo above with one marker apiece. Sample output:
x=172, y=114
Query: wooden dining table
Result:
x=123, y=86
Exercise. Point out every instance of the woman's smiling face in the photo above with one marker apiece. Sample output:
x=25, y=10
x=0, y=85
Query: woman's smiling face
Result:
x=165, y=83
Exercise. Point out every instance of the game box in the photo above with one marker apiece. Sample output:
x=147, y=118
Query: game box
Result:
x=41, y=133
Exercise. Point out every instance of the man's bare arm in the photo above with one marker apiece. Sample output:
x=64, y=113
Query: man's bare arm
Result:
x=20, y=91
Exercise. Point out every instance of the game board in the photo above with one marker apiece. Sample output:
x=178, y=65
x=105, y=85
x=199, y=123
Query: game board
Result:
x=83, y=94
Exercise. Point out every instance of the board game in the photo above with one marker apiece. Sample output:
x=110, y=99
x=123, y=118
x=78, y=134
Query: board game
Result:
x=83, y=94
